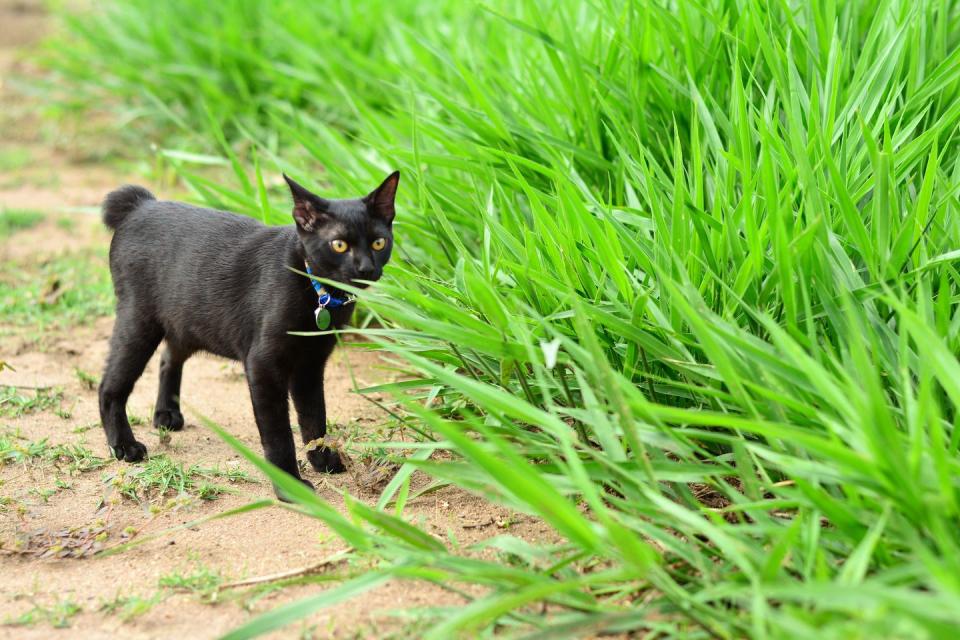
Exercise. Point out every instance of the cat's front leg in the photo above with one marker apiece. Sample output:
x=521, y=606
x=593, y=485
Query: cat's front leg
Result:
x=306, y=389
x=269, y=395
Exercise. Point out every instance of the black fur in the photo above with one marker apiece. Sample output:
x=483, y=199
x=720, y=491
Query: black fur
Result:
x=205, y=280
x=121, y=202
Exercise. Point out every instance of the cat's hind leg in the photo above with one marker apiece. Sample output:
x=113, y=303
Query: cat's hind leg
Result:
x=134, y=340
x=166, y=414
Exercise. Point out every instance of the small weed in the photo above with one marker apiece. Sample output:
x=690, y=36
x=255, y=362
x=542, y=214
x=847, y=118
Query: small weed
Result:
x=210, y=491
x=83, y=428
x=87, y=380
x=43, y=494
x=231, y=474
x=76, y=458
x=129, y=607
x=13, y=450
x=17, y=401
x=66, y=223
x=202, y=581
x=58, y=615
x=13, y=220
x=61, y=292
x=135, y=420
x=163, y=435
x=160, y=476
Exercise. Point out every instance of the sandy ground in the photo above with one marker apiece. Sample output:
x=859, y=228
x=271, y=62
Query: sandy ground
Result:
x=59, y=182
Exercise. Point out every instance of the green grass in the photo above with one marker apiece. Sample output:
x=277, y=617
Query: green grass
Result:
x=59, y=292
x=16, y=402
x=88, y=381
x=201, y=581
x=161, y=476
x=681, y=281
x=64, y=460
x=72, y=457
x=67, y=223
x=13, y=220
x=57, y=615
x=14, y=158
x=128, y=607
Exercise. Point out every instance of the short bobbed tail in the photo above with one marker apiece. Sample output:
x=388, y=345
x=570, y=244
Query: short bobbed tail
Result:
x=119, y=203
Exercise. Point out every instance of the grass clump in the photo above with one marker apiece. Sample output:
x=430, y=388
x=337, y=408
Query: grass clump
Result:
x=128, y=607
x=57, y=615
x=13, y=220
x=680, y=281
x=59, y=292
x=16, y=402
x=201, y=581
x=87, y=380
x=160, y=477
x=72, y=457
x=77, y=458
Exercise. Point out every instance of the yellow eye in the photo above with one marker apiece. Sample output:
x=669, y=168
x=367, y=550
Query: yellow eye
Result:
x=339, y=246
x=379, y=244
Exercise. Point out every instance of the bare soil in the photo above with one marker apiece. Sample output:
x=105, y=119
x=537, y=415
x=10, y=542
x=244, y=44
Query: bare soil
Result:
x=59, y=182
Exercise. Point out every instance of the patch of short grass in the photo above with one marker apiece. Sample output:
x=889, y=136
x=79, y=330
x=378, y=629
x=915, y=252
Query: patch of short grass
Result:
x=201, y=581
x=87, y=380
x=71, y=457
x=20, y=401
x=83, y=428
x=67, y=223
x=57, y=615
x=76, y=458
x=13, y=220
x=58, y=292
x=128, y=607
x=161, y=477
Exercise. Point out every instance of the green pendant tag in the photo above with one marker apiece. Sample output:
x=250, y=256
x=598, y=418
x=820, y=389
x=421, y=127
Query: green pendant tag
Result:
x=323, y=318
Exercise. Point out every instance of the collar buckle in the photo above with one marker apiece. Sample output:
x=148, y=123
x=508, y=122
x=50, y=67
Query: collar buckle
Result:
x=324, y=298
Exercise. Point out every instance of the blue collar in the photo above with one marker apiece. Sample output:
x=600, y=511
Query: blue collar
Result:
x=326, y=300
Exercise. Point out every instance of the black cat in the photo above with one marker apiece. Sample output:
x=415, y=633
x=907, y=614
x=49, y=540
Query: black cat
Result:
x=205, y=280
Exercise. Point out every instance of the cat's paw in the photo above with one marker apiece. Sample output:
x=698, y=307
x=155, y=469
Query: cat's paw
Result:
x=325, y=460
x=131, y=451
x=171, y=420
x=282, y=495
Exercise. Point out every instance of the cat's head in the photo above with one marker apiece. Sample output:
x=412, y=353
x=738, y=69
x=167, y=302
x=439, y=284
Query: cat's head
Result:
x=346, y=240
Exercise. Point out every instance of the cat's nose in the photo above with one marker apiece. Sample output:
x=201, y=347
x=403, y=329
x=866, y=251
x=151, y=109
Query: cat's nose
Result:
x=365, y=268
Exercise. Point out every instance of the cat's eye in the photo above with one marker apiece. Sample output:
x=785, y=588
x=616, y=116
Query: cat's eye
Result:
x=379, y=244
x=339, y=246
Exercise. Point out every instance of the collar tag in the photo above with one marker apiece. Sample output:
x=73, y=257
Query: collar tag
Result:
x=325, y=302
x=322, y=317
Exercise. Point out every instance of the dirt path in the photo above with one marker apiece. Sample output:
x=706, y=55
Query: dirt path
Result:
x=162, y=588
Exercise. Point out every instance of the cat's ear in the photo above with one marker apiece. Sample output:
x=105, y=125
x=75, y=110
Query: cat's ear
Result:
x=380, y=201
x=309, y=210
